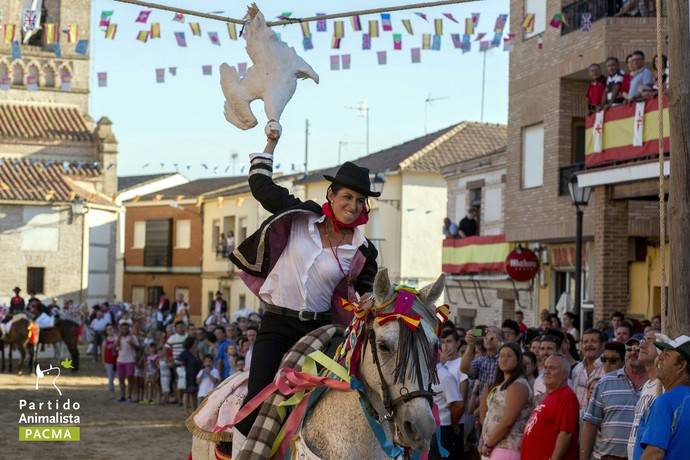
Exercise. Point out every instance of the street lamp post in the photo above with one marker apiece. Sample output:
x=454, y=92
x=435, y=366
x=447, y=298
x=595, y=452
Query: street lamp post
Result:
x=579, y=196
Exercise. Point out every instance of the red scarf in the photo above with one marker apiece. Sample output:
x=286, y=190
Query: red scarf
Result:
x=361, y=220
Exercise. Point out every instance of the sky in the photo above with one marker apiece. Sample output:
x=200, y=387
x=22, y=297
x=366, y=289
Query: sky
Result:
x=181, y=121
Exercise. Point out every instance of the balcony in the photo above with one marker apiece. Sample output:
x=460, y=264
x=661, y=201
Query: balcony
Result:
x=599, y=9
x=476, y=254
x=624, y=133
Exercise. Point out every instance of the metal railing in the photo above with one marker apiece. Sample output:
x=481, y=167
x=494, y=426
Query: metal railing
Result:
x=565, y=173
x=598, y=9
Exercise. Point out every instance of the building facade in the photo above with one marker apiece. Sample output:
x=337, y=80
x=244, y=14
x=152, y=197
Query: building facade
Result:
x=546, y=146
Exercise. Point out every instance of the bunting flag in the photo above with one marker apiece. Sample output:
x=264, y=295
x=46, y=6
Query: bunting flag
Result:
x=469, y=26
x=172, y=71
x=50, y=33
x=307, y=43
x=540, y=42
x=436, y=44
x=423, y=16
x=381, y=57
x=426, y=41
x=207, y=69
x=397, y=42
x=321, y=24
x=143, y=16
x=16, y=50
x=82, y=47
x=356, y=23
x=143, y=36
x=65, y=81
x=496, y=41
x=335, y=43
x=57, y=51
x=213, y=36
x=466, y=44
x=438, y=26
x=586, y=22
x=484, y=45
x=242, y=69
x=450, y=16
x=345, y=61
x=32, y=82
x=480, y=35
x=557, y=20
x=457, y=43
x=500, y=23
x=196, y=29
x=373, y=28
x=475, y=19
x=335, y=62
x=110, y=32
x=106, y=16
x=181, y=41
x=416, y=55
x=338, y=29
x=179, y=17
x=232, y=31
x=509, y=42
x=528, y=23
x=9, y=31
x=102, y=79
x=306, y=31
x=72, y=31
x=366, y=42
x=155, y=30
x=160, y=75
x=285, y=15
x=407, y=24
x=386, y=22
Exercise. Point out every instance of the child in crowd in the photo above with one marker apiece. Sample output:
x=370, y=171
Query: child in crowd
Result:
x=165, y=367
x=207, y=378
x=151, y=375
x=126, y=346
x=191, y=365
x=110, y=358
x=140, y=365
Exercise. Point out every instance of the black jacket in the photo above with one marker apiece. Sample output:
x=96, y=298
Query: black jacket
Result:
x=259, y=252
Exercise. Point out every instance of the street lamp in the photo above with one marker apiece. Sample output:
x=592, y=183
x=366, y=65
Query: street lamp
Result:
x=579, y=196
x=377, y=183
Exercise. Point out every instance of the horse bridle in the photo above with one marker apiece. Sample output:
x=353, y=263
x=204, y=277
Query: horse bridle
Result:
x=389, y=403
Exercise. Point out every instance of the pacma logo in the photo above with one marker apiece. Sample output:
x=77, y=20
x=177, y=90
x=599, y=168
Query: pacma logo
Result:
x=42, y=373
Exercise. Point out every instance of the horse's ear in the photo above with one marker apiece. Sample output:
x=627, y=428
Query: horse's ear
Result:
x=431, y=293
x=382, y=285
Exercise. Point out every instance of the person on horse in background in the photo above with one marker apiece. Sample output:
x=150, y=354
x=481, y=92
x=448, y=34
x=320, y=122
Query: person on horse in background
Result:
x=302, y=261
x=17, y=307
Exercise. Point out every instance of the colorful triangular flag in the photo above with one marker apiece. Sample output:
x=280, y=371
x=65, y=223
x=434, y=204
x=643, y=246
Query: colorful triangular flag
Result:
x=111, y=31
x=232, y=31
x=407, y=24
x=386, y=22
x=143, y=16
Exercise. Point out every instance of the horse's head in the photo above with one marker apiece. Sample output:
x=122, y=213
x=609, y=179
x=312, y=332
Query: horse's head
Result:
x=397, y=365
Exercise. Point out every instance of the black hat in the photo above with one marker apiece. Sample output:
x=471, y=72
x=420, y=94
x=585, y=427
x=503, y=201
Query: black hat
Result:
x=16, y=290
x=353, y=177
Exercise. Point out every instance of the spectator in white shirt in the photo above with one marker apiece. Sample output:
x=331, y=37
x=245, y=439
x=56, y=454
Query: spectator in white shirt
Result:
x=451, y=407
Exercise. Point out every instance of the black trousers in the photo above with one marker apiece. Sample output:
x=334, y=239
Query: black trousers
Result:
x=276, y=336
x=451, y=441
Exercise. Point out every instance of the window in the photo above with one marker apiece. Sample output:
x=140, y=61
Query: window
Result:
x=217, y=240
x=241, y=231
x=138, y=295
x=139, y=235
x=533, y=156
x=35, y=278
x=538, y=9
x=183, y=235
x=158, y=245
x=154, y=294
x=242, y=302
x=578, y=144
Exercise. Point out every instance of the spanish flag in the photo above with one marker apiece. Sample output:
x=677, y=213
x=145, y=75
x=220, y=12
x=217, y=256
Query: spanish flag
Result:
x=475, y=254
x=72, y=31
x=111, y=31
x=50, y=33
x=9, y=31
x=196, y=29
x=155, y=30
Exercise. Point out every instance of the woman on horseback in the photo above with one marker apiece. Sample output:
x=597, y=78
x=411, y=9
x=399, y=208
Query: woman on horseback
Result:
x=302, y=260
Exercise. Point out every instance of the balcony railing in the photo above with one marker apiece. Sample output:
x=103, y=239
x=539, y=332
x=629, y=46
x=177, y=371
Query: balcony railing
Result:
x=598, y=9
x=565, y=173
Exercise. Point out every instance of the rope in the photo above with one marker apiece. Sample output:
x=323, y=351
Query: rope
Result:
x=662, y=199
x=282, y=22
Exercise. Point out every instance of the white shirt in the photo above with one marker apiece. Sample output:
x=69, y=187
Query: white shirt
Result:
x=454, y=367
x=650, y=390
x=447, y=391
x=99, y=324
x=581, y=379
x=206, y=384
x=306, y=273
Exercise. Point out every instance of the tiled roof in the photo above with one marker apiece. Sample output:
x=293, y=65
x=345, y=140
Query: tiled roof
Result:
x=196, y=188
x=125, y=182
x=431, y=152
x=26, y=180
x=54, y=123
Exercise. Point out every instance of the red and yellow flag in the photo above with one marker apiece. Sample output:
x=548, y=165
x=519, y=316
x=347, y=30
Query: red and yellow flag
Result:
x=9, y=31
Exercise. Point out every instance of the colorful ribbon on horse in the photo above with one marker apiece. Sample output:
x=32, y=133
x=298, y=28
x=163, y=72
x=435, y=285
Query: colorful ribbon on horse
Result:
x=412, y=320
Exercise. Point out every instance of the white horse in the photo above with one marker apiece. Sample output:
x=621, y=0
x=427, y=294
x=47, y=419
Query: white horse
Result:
x=396, y=368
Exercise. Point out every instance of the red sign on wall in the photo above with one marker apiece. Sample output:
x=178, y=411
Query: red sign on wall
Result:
x=522, y=264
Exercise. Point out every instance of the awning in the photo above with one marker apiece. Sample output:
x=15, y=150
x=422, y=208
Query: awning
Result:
x=475, y=254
